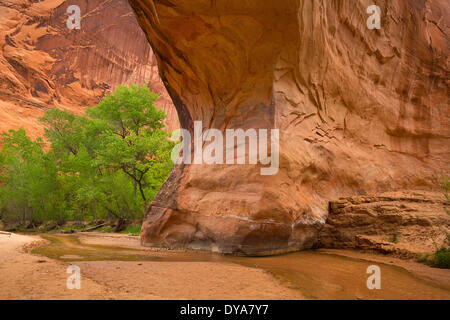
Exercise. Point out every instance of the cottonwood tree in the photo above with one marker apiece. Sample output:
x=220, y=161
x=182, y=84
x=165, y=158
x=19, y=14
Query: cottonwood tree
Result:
x=132, y=139
x=110, y=162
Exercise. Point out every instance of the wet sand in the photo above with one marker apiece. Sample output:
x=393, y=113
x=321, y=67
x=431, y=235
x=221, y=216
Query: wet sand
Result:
x=115, y=266
x=28, y=276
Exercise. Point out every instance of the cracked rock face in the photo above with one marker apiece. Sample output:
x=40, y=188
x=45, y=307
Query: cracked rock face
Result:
x=359, y=111
x=44, y=64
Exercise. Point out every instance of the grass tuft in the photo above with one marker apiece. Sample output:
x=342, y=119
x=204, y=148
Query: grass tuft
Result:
x=133, y=229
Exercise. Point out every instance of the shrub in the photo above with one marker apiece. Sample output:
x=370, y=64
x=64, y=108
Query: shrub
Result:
x=441, y=258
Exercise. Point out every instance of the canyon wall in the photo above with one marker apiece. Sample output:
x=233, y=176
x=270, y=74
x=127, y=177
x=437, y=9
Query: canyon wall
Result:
x=44, y=64
x=360, y=111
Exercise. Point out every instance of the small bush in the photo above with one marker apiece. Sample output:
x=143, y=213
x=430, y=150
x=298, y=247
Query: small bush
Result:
x=441, y=258
x=133, y=229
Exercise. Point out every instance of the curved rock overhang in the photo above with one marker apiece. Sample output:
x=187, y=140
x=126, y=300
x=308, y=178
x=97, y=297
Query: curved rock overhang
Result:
x=359, y=111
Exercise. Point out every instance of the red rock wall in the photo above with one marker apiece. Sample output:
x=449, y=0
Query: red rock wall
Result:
x=44, y=64
x=359, y=111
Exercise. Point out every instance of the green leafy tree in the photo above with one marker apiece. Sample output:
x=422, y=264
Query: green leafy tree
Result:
x=28, y=177
x=133, y=140
x=109, y=163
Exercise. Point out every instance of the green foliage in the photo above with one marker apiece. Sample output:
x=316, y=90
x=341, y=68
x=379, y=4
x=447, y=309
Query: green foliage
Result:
x=105, y=229
x=109, y=163
x=133, y=229
x=446, y=186
x=394, y=238
x=441, y=258
x=28, y=184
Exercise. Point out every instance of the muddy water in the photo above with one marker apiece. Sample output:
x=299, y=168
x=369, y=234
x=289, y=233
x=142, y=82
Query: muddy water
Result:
x=328, y=276
x=316, y=275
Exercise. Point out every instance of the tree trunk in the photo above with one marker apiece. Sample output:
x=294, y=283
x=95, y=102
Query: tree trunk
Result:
x=135, y=183
x=94, y=209
x=142, y=193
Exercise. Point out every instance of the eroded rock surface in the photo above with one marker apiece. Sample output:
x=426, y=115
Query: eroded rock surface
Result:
x=359, y=111
x=405, y=224
x=44, y=64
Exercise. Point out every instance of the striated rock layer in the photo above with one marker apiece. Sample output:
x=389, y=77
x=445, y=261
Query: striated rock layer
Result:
x=44, y=64
x=359, y=111
x=405, y=224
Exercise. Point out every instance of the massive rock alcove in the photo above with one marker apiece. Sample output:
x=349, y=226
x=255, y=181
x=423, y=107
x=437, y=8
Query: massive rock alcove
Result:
x=359, y=111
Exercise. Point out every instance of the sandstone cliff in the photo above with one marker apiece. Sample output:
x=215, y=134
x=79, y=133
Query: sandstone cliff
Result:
x=359, y=111
x=44, y=64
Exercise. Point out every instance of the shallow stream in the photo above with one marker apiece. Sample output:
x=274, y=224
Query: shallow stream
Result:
x=316, y=274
